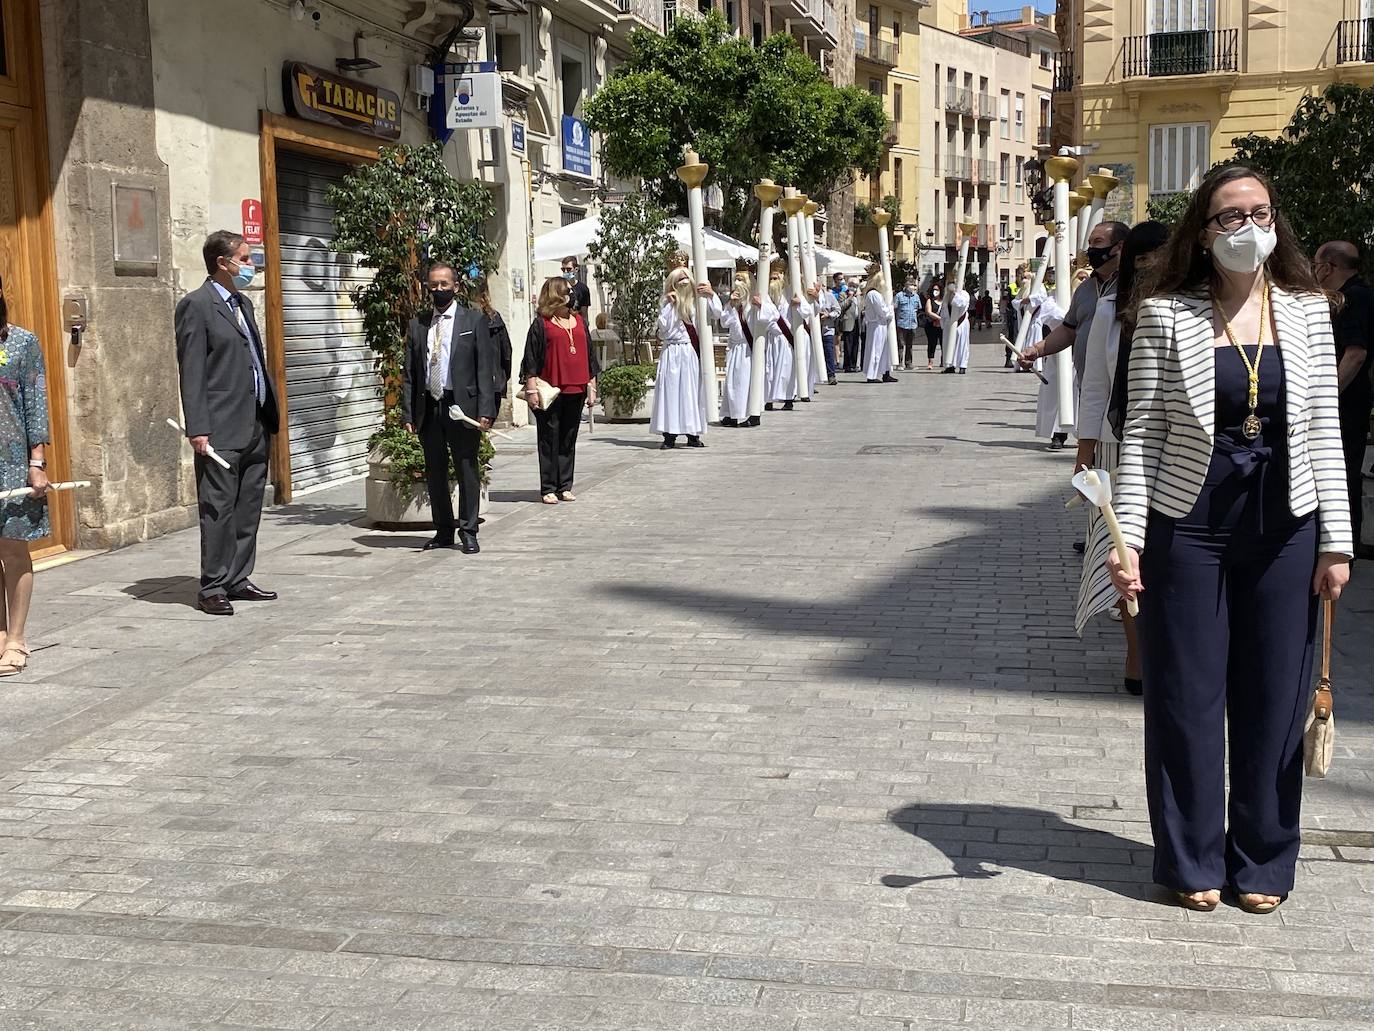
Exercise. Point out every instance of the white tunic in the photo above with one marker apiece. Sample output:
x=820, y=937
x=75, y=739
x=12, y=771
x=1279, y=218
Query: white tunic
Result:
x=739, y=357
x=677, y=384
x=877, y=354
x=1044, y=315
x=955, y=351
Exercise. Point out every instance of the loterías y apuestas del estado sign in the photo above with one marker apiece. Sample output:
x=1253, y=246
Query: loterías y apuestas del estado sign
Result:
x=320, y=96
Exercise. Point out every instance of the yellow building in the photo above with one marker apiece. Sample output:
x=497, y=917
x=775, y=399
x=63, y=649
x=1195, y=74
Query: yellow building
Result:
x=1161, y=88
x=887, y=64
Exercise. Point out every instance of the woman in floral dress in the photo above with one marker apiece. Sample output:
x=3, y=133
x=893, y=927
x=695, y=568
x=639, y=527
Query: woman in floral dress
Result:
x=23, y=434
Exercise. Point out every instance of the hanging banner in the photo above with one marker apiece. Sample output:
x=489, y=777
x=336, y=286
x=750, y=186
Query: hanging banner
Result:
x=320, y=96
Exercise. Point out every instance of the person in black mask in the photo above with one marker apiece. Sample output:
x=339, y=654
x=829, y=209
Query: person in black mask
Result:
x=450, y=361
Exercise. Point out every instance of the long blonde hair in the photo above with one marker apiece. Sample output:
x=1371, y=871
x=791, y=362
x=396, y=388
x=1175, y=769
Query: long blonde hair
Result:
x=678, y=287
x=553, y=297
x=776, y=285
x=875, y=281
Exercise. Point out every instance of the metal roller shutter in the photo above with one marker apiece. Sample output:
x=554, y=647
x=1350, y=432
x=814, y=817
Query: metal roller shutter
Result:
x=333, y=396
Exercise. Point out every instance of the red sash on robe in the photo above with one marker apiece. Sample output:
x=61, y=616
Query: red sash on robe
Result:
x=744, y=325
x=692, y=336
x=786, y=329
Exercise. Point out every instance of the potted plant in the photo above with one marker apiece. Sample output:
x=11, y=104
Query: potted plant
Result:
x=624, y=390
x=398, y=214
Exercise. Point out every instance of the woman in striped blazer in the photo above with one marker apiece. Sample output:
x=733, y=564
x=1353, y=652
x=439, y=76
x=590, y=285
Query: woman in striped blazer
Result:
x=1232, y=499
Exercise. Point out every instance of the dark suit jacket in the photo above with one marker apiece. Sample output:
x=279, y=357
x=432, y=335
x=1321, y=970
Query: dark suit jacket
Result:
x=217, y=372
x=472, y=366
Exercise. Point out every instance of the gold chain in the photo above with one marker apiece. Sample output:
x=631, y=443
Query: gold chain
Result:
x=1252, y=426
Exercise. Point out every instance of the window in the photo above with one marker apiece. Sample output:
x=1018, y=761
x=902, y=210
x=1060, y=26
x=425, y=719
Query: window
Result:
x=1178, y=157
x=1181, y=15
x=1003, y=227
x=1044, y=110
x=1046, y=58
x=570, y=75
x=897, y=105
x=1004, y=113
x=1020, y=174
x=1020, y=229
x=508, y=52
x=897, y=178
x=875, y=86
x=872, y=23
x=758, y=33
x=1020, y=116
x=936, y=214
x=937, y=149
x=567, y=216
x=1004, y=176
x=897, y=35
x=936, y=91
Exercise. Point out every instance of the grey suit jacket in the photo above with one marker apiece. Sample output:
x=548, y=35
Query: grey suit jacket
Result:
x=473, y=363
x=217, y=371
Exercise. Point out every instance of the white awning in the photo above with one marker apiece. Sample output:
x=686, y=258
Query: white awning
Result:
x=829, y=262
x=576, y=239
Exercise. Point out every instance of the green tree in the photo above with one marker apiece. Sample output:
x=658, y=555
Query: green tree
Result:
x=1168, y=208
x=631, y=250
x=1322, y=165
x=400, y=213
x=750, y=112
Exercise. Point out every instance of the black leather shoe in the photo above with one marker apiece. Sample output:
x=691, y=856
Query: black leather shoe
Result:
x=1134, y=687
x=788, y=406
x=769, y=407
x=949, y=371
x=832, y=382
x=727, y=421
x=249, y=591
x=468, y=543
x=756, y=420
x=695, y=442
x=889, y=378
x=441, y=540
x=668, y=443
x=215, y=605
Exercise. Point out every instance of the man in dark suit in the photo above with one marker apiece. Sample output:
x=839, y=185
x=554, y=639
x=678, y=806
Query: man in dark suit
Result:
x=230, y=405
x=450, y=360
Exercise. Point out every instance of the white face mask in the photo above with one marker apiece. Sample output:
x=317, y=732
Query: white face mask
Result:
x=1245, y=249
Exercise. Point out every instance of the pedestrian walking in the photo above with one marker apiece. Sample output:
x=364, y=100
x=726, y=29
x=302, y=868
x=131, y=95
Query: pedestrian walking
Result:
x=1232, y=498
x=877, y=315
x=1337, y=269
x=851, y=305
x=229, y=403
x=1009, y=324
x=580, y=299
x=1099, y=441
x=746, y=319
x=677, y=384
x=450, y=360
x=931, y=306
x=906, y=310
x=23, y=447
x=558, y=351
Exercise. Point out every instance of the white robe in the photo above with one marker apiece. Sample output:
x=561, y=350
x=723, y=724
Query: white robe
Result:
x=877, y=318
x=955, y=349
x=1045, y=315
x=801, y=344
x=677, y=384
x=739, y=358
x=777, y=375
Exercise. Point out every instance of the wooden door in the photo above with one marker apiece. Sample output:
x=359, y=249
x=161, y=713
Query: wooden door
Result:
x=27, y=261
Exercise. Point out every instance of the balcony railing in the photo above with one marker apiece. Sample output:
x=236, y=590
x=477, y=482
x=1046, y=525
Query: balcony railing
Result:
x=1017, y=16
x=959, y=168
x=984, y=172
x=1355, y=41
x=877, y=50
x=987, y=107
x=1194, y=52
x=1063, y=71
x=647, y=12
x=958, y=99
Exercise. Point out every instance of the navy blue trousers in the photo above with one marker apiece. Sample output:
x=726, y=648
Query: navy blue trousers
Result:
x=1227, y=623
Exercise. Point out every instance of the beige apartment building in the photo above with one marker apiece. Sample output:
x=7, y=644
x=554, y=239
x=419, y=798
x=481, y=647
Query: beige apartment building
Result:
x=1161, y=88
x=985, y=107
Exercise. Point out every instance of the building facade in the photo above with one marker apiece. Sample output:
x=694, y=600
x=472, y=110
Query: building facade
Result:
x=1159, y=89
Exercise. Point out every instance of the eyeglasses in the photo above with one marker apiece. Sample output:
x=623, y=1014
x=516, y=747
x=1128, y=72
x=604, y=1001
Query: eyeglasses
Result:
x=1233, y=218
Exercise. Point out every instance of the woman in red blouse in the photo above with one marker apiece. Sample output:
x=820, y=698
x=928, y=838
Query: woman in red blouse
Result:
x=558, y=350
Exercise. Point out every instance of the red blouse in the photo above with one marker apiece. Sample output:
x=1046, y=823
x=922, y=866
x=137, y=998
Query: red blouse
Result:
x=566, y=364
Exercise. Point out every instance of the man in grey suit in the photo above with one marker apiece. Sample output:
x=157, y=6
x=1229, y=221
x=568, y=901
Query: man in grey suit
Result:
x=229, y=403
x=450, y=360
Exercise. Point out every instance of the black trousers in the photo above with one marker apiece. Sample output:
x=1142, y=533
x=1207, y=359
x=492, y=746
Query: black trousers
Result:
x=441, y=436
x=557, y=436
x=853, y=345
x=1227, y=623
x=1354, y=433
x=230, y=503
x=933, y=341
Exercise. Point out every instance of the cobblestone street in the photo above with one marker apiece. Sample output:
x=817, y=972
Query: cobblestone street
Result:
x=790, y=734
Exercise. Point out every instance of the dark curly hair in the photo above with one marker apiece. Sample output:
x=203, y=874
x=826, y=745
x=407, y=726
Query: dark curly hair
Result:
x=1185, y=267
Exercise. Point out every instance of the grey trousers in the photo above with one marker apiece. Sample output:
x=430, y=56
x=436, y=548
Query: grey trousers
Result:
x=230, y=509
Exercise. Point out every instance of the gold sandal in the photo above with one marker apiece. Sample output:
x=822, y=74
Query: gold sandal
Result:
x=12, y=667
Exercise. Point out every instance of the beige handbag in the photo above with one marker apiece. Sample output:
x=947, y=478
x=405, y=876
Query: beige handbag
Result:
x=547, y=393
x=1319, y=734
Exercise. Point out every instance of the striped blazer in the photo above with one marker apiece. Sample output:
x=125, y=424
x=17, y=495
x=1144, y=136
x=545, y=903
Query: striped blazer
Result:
x=1171, y=414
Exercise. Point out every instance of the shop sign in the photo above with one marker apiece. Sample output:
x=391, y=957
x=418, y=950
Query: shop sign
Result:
x=320, y=96
x=252, y=221
x=577, y=146
x=475, y=100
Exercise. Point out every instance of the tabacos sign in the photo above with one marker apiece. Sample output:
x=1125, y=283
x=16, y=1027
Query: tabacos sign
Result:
x=320, y=96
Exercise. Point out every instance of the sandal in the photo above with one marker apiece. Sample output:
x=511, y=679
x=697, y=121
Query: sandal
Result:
x=1260, y=905
x=566, y=495
x=13, y=660
x=1198, y=901
x=549, y=499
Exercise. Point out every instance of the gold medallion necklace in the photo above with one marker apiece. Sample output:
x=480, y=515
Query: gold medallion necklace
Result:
x=572, y=340
x=1252, y=426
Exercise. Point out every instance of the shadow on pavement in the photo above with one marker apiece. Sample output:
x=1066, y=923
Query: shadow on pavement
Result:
x=165, y=590
x=974, y=837
x=386, y=540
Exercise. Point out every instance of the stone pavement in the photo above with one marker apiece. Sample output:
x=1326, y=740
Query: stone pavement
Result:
x=790, y=734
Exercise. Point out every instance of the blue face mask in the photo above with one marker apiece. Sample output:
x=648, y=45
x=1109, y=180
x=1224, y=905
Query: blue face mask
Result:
x=244, y=276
